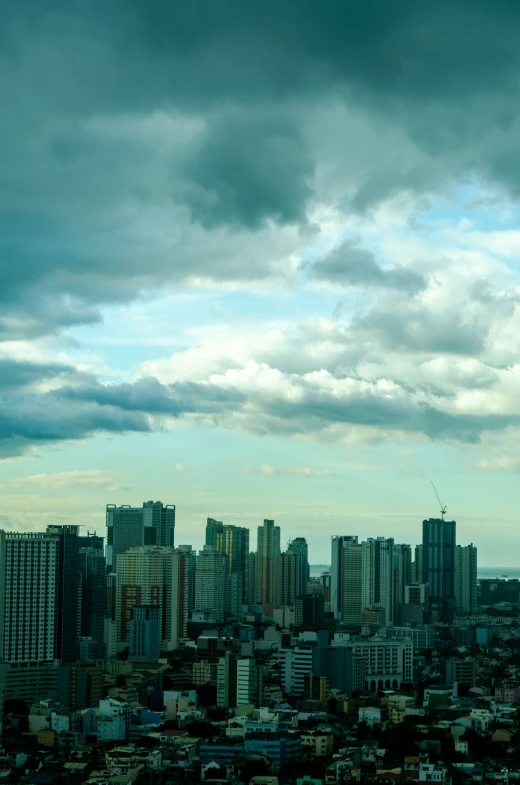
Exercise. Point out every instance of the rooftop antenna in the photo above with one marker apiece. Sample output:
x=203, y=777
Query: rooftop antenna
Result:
x=443, y=508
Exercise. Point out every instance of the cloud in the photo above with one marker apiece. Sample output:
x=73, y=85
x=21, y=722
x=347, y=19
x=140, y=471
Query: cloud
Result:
x=91, y=478
x=501, y=463
x=304, y=471
x=351, y=265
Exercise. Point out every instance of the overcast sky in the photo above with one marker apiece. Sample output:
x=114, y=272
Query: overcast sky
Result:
x=261, y=259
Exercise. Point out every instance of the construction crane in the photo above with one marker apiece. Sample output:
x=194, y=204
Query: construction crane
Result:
x=443, y=508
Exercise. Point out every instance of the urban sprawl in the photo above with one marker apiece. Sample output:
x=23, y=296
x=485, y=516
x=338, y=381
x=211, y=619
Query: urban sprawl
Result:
x=137, y=660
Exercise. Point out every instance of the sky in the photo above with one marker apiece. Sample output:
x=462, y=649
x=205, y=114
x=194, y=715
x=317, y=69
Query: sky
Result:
x=261, y=260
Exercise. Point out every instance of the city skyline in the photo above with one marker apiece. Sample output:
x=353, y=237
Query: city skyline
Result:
x=278, y=286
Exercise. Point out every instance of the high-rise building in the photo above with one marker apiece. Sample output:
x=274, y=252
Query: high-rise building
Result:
x=233, y=542
x=249, y=681
x=339, y=544
x=438, y=568
x=190, y=557
x=227, y=681
x=69, y=591
x=92, y=568
x=466, y=578
x=299, y=546
x=29, y=597
x=402, y=574
x=151, y=575
x=145, y=632
x=250, y=594
x=289, y=578
x=131, y=527
x=352, y=585
x=417, y=565
x=378, y=575
x=210, y=582
x=267, y=563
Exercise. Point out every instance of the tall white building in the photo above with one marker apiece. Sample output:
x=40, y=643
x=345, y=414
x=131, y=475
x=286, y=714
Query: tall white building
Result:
x=248, y=686
x=210, y=582
x=466, y=578
x=29, y=587
x=267, y=563
x=293, y=666
x=151, y=575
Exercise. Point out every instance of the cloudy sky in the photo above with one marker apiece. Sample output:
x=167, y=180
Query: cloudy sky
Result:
x=262, y=260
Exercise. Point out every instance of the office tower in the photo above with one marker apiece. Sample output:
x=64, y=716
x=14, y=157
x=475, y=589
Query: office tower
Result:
x=233, y=542
x=339, y=544
x=250, y=594
x=190, y=557
x=299, y=546
x=131, y=527
x=267, y=563
x=92, y=567
x=417, y=565
x=29, y=597
x=416, y=594
x=110, y=635
x=309, y=610
x=80, y=686
x=402, y=574
x=151, y=575
x=289, y=578
x=352, y=584
x=209, y=582
x=438, y=566
x=145, y=632
x=466, y=579
x=69, y=592
x=227, y=681
x=378, y=575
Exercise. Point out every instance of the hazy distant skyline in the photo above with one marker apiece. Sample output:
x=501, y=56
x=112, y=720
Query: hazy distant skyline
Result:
x=261, y=261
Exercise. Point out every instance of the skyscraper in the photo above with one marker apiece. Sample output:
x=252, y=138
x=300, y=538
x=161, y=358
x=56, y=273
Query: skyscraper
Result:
x=378, y=575
x=339, y=543
x=151, y=575
x=190, y=557
x=289, y=578
x=69, y=592
x=417, y=565
x=351, y=583
x=267, y=563
x=466, y=578
x=299, y=546
x=92, y=568
x=130, y=527
x=29, y=591
x=438, y=567
x=233, y=542
x=402, y=574
x=210, y=582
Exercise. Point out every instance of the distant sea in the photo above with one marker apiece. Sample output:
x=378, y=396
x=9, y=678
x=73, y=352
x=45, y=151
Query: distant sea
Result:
x=483, y=572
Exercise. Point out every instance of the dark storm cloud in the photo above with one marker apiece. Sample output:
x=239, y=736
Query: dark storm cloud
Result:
x=247, y=170
x=16, y=374
x=352, y=265
x=149, y=395
x=69, y=413
x=249, y=76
